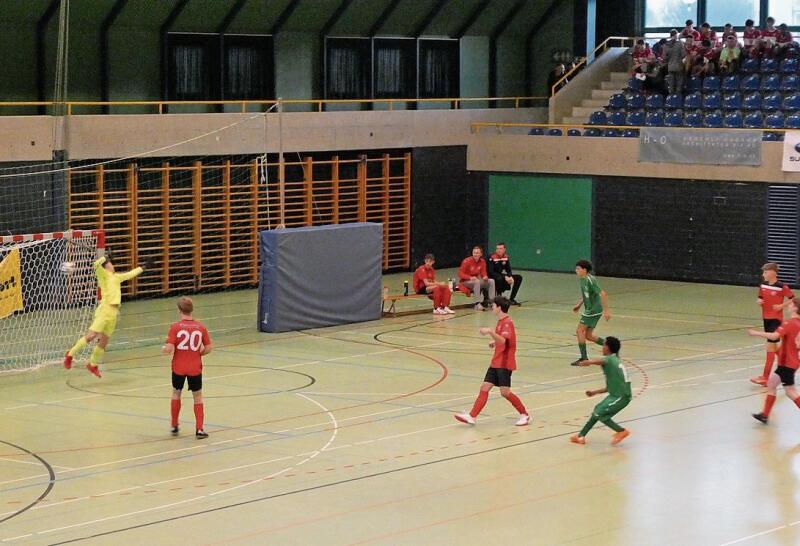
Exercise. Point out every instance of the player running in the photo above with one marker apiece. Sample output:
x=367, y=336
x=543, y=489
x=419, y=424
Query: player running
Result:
x=788, y=360
x=595, y=305
x=106, y=314
x=187, y=341
x=618, y=387
x=504, y=343
x=771, y=295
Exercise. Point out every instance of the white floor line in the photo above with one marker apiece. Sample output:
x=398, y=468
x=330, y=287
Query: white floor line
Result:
x=762, y=533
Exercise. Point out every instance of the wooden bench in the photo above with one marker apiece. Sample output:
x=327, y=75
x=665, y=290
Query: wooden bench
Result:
x=394, y=298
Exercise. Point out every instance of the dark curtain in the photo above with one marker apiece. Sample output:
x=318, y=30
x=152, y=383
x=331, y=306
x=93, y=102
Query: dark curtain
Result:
x=348, y=69
x=438, y=69
x=189, y=72
x=248, y=67
x=394, y=69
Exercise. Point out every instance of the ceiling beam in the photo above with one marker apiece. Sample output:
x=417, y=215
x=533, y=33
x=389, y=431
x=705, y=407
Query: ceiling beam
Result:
x=284, y=17
x=476, y=13
x=387, y=12
x=105, y=62
x=429, y=17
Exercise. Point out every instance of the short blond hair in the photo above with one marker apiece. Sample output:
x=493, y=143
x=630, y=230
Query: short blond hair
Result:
x=186, y=305
x=770, y=266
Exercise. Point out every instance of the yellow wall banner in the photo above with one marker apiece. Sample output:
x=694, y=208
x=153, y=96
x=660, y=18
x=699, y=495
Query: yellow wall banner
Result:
x=10, y=284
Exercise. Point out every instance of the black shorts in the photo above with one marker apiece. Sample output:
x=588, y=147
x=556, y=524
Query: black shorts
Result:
x=786, y=375
x=771, y=324
x=195, y=382
x=499, y=377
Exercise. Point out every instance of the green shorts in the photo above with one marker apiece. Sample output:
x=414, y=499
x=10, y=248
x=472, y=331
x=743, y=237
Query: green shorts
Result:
x=590, y=322
x=610, y=406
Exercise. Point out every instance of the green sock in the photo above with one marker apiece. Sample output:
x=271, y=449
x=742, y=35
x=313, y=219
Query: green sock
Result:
x=600, y=341
x=80, y=344
x=588, y=426
x=582, y=349
x=97, y=356
x=612, y=425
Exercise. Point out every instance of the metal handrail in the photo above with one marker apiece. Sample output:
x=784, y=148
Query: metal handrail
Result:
x=584, y=60
x=475, y=127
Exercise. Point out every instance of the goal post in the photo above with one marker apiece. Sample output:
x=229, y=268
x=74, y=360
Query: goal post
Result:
x=48, y=293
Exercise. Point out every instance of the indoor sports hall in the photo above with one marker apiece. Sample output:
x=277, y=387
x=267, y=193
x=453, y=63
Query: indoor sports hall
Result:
x=256, y=281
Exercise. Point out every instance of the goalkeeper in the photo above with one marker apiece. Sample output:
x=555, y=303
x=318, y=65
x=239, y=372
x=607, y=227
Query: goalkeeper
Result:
x=105, y=316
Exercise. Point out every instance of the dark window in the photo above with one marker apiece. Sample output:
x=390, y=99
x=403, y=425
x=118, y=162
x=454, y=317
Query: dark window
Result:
x=348, y=67
x=394, y=65
x=192, y=64
x=438, y=68
x=248, y=66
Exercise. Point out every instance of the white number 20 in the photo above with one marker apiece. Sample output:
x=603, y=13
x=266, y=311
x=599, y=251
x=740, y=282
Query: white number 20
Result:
x=189, y=341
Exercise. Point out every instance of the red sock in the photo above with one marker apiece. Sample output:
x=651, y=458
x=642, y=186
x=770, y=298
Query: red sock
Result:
x=768, y=403
x=176, y=409
x=768, y=364
x=797, y=401
x=198, y=416
x=483, y=396
x=517, y=403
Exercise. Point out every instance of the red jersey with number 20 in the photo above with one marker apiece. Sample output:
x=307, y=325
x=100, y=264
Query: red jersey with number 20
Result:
x=505, y=354
x=188, y=337
x=787, y=353
x=773, y=294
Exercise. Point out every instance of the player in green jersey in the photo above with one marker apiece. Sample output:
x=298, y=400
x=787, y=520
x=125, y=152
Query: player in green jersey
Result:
x=594, y=301
x=618, y=388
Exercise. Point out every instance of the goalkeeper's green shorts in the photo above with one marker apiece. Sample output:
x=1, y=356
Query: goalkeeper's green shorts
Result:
x=105, y=320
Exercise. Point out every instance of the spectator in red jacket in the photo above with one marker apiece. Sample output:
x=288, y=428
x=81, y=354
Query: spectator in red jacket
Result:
x=425, y=283
x=474, y=277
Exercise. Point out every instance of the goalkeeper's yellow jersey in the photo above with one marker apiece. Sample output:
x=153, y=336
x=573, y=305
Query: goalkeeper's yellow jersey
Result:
x=111, y=283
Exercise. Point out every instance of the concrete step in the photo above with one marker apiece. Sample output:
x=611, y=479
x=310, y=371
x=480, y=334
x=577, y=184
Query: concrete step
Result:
x=584, y=112
x=603, y=94
x=611, y=86
x=597, y=104
x=575, y=120
x=622, y=77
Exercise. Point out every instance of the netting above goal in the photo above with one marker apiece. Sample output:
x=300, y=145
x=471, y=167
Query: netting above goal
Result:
x=48, y=293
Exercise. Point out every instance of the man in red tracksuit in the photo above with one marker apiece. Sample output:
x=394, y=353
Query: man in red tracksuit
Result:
x=474, y=277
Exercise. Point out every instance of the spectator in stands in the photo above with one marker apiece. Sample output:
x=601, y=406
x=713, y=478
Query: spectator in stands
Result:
x=728, y=31
x=783, y=42
x=706, y=60
x=767, y=39
x=689, y=30
x=674, y=52
x=658, y=48
x=730, y=56
x=500, y=271
x=474, y=277
x=555, y=75
x=750, y=38
x=691, y=53
x=707, y=33
x=643, y=58
x=425, y=283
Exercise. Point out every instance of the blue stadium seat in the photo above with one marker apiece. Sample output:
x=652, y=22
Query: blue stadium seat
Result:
x=790, y=83
x=636, y=118
x=789, y=66
x=536, y=131
x=768, y=66
x=656, y=100
x=751, y=82
x=617, y=100
x=753, y=120
x=693, y=101
x=774, y=121
x=635, y=101
x=674, y=119
x=630, y=133
x=573, y=132
x=770, y=82
x=712, y=101
x=733, y=120
x=771, y=137
x=634, y=84
x=610, y=133
x=749, y=66
x=616, y=118
x=771, y=102
x=732, y=101
x=792, y=122
x=693, y=119
x=713, y=120
x=555, y=132
x=694, y=83
x=791, y=102
x=711, y=83
x=673, y=102
x=592, y=132
x=598, y=118
x=752, y=102
x=730, y=83
x=654, y=119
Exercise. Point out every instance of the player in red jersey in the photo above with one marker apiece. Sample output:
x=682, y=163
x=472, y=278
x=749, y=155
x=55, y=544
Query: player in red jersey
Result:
x=750, y=37
x=784, y=41
x=187, y=341
x=768, y=38
x=773, y=296
x=788, y=360
x=504, y=362
x=707, y=33
x=689, y=30
x=425, y=283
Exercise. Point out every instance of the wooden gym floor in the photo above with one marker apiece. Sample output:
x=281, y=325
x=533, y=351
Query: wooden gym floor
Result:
x=345, y=435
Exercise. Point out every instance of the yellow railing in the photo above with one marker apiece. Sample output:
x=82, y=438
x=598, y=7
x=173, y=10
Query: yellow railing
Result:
x=162, y=106
x=477, y=126
x=600, y=49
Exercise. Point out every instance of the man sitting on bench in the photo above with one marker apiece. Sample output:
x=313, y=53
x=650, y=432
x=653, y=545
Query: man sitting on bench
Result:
x=504, y=277
x=473, y=276
x=439, y=292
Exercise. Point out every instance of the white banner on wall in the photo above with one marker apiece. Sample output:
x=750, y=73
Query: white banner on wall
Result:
x=791, y=151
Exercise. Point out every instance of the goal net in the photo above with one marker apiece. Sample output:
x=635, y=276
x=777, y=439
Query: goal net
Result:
x=48, y=293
